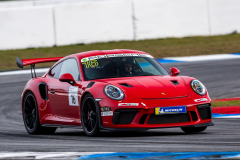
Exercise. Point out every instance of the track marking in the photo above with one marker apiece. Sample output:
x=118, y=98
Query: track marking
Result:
x=226, y=115
x=44, y=155
x=164, y=155
x=122, y=155
x=204, y=58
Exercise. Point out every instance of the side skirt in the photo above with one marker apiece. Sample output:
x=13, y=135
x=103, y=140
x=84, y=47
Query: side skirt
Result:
x=61, y=126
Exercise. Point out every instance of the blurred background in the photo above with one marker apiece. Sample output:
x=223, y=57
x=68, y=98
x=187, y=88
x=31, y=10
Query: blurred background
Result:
x=163, y=28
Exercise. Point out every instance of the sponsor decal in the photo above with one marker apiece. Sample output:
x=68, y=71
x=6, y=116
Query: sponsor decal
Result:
x=163, y=94
x=113, y=55
x=128, y=104
x=170, y=110
x=108, y=113
x=201, y=100
x=91, y=63
x=73, y=96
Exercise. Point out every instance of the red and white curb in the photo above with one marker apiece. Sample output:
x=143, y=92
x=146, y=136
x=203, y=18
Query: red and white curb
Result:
x=226, y=112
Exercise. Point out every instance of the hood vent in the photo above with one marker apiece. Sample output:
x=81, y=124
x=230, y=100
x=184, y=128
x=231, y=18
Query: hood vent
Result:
x=175, y=82
x=125, y=85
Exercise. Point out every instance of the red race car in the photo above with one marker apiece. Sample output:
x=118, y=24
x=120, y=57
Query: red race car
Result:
x=118, y=90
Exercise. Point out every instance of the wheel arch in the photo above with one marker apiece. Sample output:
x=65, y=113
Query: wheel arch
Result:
x=82, y=97
x=33, y=87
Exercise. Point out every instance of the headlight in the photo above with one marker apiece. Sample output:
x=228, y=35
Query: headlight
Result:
x=198, y=87
x=113, y=92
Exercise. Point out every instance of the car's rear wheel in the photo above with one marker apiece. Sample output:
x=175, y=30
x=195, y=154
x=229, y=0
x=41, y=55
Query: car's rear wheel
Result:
x=89, y=116
x=31, y=116
x=193, y=129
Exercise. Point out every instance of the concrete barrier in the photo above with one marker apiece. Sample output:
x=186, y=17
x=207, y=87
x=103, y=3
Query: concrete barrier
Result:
x=60, y=2
x=44, y=23
x=94, y=22
x=224, y=16
x=170, y=18
x=9, y=4
x=26, y=28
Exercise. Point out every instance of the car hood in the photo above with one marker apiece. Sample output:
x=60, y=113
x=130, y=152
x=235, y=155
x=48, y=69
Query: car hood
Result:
x=152, y=86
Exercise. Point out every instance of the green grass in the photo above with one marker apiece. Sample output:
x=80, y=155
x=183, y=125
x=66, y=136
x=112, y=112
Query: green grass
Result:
x=225, y=104
x=159, y=48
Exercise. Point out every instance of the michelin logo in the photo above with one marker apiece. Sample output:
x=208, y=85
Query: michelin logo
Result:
x=170, y=110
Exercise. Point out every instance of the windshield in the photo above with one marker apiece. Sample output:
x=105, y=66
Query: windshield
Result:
x=120, y=65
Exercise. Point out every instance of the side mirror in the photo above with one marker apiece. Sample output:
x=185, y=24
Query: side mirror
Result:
x=174, y=71
x=67, y=78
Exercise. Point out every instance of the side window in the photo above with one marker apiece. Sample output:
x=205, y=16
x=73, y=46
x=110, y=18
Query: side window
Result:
x=55, y=71
x=70, y=66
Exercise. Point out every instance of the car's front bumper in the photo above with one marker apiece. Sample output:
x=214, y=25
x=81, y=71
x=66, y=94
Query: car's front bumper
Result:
x=140, y=118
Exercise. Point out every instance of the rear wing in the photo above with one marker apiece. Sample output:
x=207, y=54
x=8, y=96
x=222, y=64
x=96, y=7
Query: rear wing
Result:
x=32, y=62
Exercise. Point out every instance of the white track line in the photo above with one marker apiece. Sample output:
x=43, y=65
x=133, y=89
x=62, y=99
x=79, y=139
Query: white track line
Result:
x=204, y=58
x=238, y=116
x=41, y=70
x=233, y=157
x=43, y=155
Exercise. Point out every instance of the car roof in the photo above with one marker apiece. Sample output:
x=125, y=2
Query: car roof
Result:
x=106, y=52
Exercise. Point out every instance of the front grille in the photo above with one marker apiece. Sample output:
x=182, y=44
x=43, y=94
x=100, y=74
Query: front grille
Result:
x=205, y=111
x=194, y=115
x=124, y=116
x=169, y=118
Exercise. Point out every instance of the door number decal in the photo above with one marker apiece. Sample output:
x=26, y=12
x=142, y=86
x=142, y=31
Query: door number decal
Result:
x=73, y=96
x=73, y=99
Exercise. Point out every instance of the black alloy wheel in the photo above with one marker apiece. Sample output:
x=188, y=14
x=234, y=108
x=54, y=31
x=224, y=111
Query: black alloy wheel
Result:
x=31, y=116
x=29, y=113
x=89, y=116
x=193, y=129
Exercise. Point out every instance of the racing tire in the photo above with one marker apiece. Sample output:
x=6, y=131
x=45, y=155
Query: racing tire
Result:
x=193, y=129
x=31, y=116
x=90, y=116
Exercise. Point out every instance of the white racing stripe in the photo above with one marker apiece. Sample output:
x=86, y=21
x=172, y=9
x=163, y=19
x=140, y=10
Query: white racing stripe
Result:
x=44, y=155
x=41, y=70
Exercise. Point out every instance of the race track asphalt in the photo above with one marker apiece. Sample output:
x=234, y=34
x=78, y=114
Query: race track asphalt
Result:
x=222, y=79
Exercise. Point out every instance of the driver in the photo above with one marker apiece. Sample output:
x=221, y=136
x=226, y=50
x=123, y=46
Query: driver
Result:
x=126, y=68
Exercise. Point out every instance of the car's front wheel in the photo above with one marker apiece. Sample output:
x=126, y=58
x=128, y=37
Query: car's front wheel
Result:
x=193, y=129
x=89, y=116
x=31, y=116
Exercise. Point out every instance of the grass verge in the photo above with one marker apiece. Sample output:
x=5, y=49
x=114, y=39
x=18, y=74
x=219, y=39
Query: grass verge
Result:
x=226, y=104
x=159, y=48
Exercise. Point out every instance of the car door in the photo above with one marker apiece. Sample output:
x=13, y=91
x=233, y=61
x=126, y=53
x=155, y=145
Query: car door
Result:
x=53, y=79
x=65, y=97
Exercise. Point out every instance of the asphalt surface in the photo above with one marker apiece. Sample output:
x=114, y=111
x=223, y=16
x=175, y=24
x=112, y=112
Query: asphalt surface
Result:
x=221, y=78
